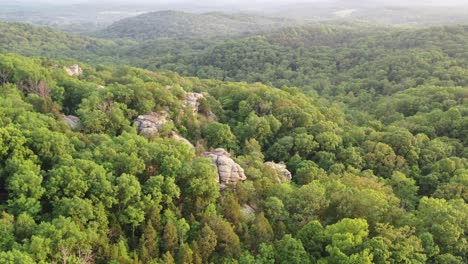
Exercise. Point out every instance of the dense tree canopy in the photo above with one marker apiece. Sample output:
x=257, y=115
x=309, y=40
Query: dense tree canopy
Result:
x=370, y=121
x=390, y=190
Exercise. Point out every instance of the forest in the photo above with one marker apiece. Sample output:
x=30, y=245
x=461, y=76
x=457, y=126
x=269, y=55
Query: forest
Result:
x=332, y=143
x=182, y=25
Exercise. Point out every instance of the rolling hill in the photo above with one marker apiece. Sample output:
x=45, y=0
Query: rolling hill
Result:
x=31, y=40
x=163, y=24
x=278, y=143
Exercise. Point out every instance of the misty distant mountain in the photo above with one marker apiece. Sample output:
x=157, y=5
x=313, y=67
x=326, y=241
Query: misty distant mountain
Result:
x=180, y=24
x=84, y=16
x=419, y=13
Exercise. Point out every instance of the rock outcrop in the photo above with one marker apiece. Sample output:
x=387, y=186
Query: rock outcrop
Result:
x=228, y=170
x=73, y=70
x=212, y=116
x=281, y=169
x=151, y=124
x=192, y=101
x=180, y=138
x=248, y=211
x=72, y=121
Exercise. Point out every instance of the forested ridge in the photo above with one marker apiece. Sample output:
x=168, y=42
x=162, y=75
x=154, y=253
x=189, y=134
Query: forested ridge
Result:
x=341, y=61
x=338, y=143
x=178, y=24
x=102, y=193
x=30, y=40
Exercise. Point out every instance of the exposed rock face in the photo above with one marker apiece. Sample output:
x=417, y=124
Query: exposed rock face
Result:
x=212, y=116
x=191, y=101
x=73, y=70
x=178, y=137
x=247, y=210
x=281, y=169
x=228, y=170
x=72, y=121
x=151, y=124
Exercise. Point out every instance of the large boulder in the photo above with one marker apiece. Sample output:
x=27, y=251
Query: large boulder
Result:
x=151, y=124
x=191, y=101
x=280, y=169
x=228, y=170
x=73, y=70
x=72, y=121
x=180, y=138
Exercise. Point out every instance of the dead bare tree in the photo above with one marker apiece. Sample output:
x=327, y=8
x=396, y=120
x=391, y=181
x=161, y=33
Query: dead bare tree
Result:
x=106, y=106
x=65, y=254
x=85, y=256
x=38, y=87
x=4, y=76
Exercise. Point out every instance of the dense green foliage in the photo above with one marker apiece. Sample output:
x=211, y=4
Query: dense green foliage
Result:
x=392, y=190
x=353, y=63
x=32, y=40
x=331, y=60
x=371, y=121
x=181, y=24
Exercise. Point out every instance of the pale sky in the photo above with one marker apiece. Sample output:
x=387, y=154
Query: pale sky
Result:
x=244, y=2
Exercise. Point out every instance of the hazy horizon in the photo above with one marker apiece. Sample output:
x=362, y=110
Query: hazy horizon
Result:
x=87, y=15
x=246, y=3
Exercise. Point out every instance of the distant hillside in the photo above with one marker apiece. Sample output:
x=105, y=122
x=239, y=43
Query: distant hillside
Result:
x=333, y=60
x=336, y=61
x=390, y=13
x=33, y=40
x=180, y=24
